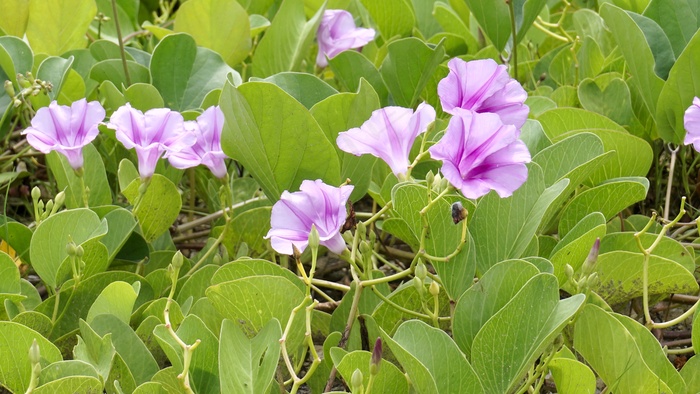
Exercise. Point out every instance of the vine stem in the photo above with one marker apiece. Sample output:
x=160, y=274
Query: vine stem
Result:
x=669, y=184
x=121, y=43
x=514, y=51
x=209, y=252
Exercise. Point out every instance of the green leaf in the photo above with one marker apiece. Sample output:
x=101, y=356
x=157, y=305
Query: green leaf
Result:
x=17, y=24
x=116, y=299
x=15, y=58
x=392, y=17
x=537, y=304
x=127, y=13
x=483, y=300
x=158, y=208
x=258, y=24
x=609, y=198
x=305, y=88
x=246, y=267
x=389, y=379
x=678, y=19
x=62, y=369
x=58, y=26
x=691, y=374
x=287, y=40
x=95, y=350
x=407, y=68
x=15, y=367
x=349, y=67
x=150, y=388
x=184, y=83
x=494, y=19
x=610, y=349
x=248, y=227
x=572, y=376
x=48, y=247
x=658, y=43
x=612, y=99
x=440, y=355
x=9, y=275
x=620, y=274
x=342, y=112
x=53, y=69
x=143, y=96
x=113, y=70
x=248, y=365
x=502, y=228
x=389, y=318
x=129, y=347
x=262, y=133
x=205, y=361
x=678, y=92
x=94, y=177
x=71, y=384
x=638, y=56
x=575, y=246
x=667, y=248
x=220, y=25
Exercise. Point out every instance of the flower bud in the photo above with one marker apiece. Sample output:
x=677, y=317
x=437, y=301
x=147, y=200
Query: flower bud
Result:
x=444, y=184
x=362, y=229
x=376, y=361
x=71, y=249
x=34, y=353
x=40, y=206
x=459, y=213
x=217, y=259
x=36, y=369
x=347, y=236
x=49, y=206
x=9, y=88
x=79, y=251
x=24, y=82
x=36, y=194
x=17, y=103
x=356, y=381
x=314, y=238
x=593, y=280
x=177, y=260
x=434, y=289
x=421, y=272
x=296, y=253
x=418, y=284
x=592, y=258
x=365, y=248
x=569, y=271
x=430, y=178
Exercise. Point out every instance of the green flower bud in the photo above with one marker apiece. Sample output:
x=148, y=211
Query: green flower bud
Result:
x=421, y=272
x=36, y=194
x=444, y=184
x=569, y=271
x=434, y=289
x=592, y=258
x=365, y=248
x=49, y=206
x=356, y=381
x=24, y=82
x=71, y=249
x=60, y=199
x=314, y=238
x=430, y=178
x=34, y=353
x=593, y=280
x=177, y=260
x=79, y=251
x=362, y=228
x=9, y=88
x=17, y=103
x=217, y=259
x=418, y=284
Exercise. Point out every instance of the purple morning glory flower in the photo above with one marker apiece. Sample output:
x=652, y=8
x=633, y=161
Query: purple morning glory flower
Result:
x=483, y=86
x=207, y=148
x=337, y=33
x=691, y=121
x=316, y=203
x=151, y=134
x=479, y=153
x=65, y=130
x=388, y=134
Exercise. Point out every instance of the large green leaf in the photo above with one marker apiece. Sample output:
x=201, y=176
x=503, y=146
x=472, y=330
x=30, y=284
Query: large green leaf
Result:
x=543, y=317
x=116, y=299
x=275, y=138
x=306, y=88
x=57, y=26
x=17, y=24
x=678, y=18
x=503, y=227
x=678, y=92
x=287, y=40
x=248, y=365
x=158, y=207
x=339, y=113
x=572, y=376
x=392, y=17
x=611, y=350
x=691, y=374
x=127, y=13
x=184, y=83
x=350, y=67
x=407, y=68
x=220, y=25
x=667, y=247
x=389, y=379
x=494, y=18
x=638, y=56
x=15, y=367
x=71, y=384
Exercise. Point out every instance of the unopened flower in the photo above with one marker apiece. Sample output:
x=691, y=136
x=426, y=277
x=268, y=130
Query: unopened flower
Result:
x=65, y=129
x=483, y=86
x=388, y=134
x=207, y=148
x=315, y=204
x=691, y=121
x=479, y=153
x=337, y=33
x=151, y=134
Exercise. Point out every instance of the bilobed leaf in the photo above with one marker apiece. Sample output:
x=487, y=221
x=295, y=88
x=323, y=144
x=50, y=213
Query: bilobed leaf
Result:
x=220, y=25
x=57, y=26
x=248, y=365
x=393, y=17
x=287, y=40
x=611, y=350
x=184, y=83
x=262, y=132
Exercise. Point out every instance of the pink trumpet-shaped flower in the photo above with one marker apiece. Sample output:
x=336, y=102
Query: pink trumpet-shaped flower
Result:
x=315, y=204
x=388, y=134
x=65, y=130
x=483, y=86
x=207, y=149
x=152, y=134
x=479, y=153
x=691, y=121
x=337, y=33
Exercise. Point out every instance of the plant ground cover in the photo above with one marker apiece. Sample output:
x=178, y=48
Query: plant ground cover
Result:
x=395, y=196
